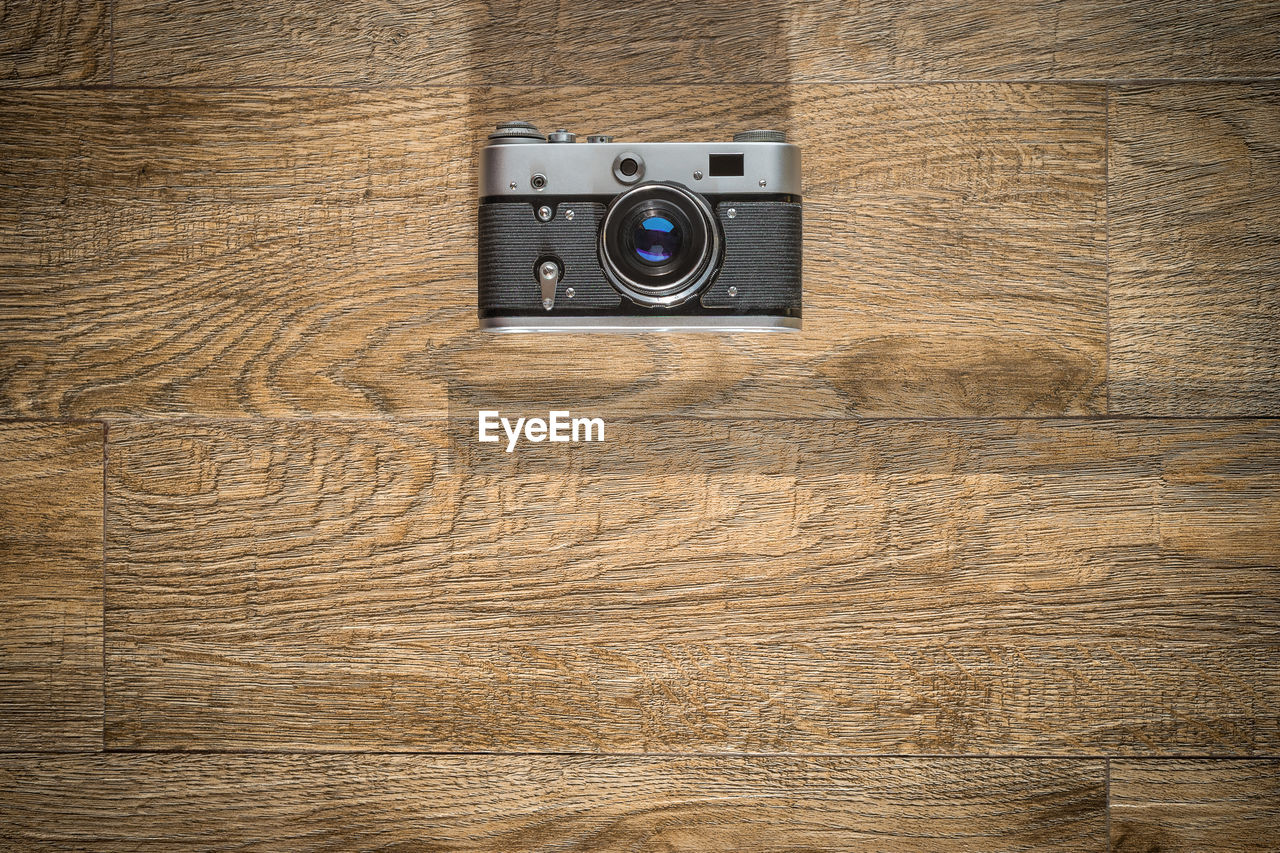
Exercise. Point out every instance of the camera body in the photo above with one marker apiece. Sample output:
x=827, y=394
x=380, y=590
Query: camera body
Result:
x=609, y=236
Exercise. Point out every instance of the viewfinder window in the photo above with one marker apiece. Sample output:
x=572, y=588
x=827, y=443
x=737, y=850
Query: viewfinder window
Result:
x=725, y=166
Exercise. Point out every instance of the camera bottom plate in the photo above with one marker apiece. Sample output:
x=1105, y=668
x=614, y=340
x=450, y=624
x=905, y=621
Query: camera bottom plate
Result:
x=678, y=323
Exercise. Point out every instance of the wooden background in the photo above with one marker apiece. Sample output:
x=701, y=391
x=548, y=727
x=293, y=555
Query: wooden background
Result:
x=988, y=557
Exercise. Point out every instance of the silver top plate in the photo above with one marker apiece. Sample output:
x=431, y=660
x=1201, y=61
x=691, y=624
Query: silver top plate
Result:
x=587, y=168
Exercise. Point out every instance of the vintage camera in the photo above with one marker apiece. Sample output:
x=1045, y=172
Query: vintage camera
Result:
x=607, y=236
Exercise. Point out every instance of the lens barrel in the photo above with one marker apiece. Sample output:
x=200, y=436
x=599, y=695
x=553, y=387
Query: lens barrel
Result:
x=660, y=244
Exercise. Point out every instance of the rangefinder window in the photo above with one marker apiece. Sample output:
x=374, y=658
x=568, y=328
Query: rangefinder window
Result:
x=725, y=166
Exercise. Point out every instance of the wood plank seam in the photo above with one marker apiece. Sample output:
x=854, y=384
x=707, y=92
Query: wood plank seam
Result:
x=106, y=430
x=378, y=88
x=739, y=753
x=1107, y=794
x=1106, y=238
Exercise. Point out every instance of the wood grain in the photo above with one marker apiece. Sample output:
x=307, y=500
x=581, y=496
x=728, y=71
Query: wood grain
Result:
x=481, y=43
x=50, y=586
x=242, y=252
x=1195, y=257
x=1045, y=39
x=548, y=42
x=55, y=42
x=1170, y=806
x=509, y=803
x=244, y=234
x=312, y=253
x=938, y=587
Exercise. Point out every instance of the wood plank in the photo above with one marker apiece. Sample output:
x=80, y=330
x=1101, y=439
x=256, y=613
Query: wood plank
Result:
x=1012, y=693
x=935, y=587
x=55, y=43
x=491, y=803
x=769, y=41
x=1231, y=806
x=1195, y=260
x=1045, y=39
x=243, y=253
x=50, y=586
x=463, y=42
x=303, y=253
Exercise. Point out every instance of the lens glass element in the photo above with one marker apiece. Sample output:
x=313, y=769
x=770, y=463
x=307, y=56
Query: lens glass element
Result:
x=660, y=244
x=657, y=239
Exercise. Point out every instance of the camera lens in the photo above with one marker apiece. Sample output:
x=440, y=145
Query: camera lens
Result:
x=660, y=244
x=656, y=238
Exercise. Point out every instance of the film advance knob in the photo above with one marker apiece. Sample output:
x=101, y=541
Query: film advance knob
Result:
x=760, y=136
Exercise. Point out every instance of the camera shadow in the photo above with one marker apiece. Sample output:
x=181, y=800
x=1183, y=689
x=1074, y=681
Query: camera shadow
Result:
x=654, y=72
